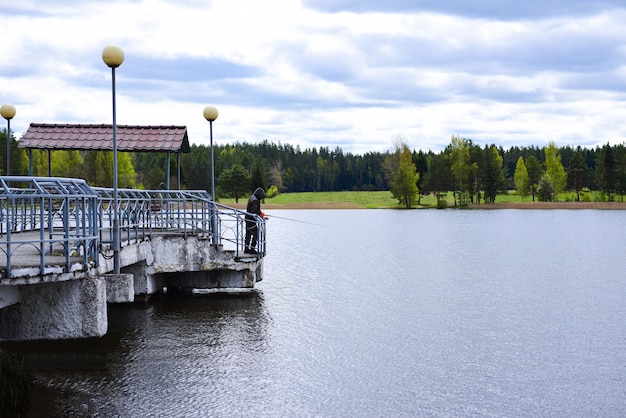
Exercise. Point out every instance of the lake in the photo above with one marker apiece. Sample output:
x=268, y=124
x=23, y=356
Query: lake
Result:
x=367, y=313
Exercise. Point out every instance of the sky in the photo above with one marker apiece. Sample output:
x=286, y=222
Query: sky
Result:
x=354, y=74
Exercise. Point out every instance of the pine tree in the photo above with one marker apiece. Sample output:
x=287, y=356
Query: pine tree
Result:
x=577, y=172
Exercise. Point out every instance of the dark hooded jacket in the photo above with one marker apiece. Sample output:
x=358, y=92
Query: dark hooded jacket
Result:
x=254, y=203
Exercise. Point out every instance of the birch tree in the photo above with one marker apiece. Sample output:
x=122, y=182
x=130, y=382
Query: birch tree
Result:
x=555, y=169
x=404, y=183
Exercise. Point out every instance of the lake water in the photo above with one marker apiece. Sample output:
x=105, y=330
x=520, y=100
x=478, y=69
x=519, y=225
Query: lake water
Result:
x=368, y=313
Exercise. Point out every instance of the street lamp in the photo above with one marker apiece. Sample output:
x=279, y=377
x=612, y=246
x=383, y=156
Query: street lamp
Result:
x=113, y=57
x=210, y=114
x=8, y=112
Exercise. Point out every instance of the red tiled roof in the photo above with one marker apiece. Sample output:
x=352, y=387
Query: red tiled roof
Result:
x=100, y=137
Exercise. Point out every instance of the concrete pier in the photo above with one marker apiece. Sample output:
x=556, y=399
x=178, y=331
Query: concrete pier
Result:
x=56, y=310
x=61, y=306
x=178, y=262
x=57, y=241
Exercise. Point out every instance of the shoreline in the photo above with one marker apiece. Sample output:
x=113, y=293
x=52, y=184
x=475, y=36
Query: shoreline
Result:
x=552, y=205
x=482, y=206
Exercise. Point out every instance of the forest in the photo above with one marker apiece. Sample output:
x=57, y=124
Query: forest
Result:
x=468, y=171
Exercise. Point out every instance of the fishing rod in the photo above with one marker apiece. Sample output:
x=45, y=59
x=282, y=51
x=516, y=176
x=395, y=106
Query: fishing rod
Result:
x=295, y=220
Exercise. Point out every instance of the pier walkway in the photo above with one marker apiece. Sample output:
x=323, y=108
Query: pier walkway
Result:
x=57, y=258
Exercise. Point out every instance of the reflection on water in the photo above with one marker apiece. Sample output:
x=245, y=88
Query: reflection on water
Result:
x=374, y=313
x=165, y=356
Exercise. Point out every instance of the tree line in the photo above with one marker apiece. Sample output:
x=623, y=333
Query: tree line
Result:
x=473, y=174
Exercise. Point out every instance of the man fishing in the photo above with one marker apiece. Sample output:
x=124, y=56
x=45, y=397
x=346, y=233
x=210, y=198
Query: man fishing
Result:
x=252, y=228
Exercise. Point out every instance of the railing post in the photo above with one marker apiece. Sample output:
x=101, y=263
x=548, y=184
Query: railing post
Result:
x=50, y=221
x=42, y=235
x=213, y=216
x=9, y=227
x=66, y=231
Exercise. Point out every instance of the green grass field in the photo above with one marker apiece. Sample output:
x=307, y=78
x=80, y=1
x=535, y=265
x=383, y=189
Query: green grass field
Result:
x=367, y=200
x=364, y=199
x=373, y=200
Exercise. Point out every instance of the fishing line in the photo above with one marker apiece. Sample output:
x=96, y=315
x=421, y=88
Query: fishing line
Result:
x=296, y=220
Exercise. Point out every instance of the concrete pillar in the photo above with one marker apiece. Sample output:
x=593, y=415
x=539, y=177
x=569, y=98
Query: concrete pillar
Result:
x=9, y=295
x=120, y=287
x=148, y=284
x=144, y=283
x=57, y=310
x=259, y=271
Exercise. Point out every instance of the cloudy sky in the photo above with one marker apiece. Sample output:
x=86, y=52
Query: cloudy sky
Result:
x=353, y=74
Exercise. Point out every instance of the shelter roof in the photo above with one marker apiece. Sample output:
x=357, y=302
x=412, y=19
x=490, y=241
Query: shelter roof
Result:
x=130, y=138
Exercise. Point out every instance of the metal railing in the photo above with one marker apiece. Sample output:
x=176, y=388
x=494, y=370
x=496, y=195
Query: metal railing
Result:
x=62, y=216
x=52, y=216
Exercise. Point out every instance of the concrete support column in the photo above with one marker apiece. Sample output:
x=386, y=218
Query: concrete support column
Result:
x=120, y=288
x=58, y=310
x=9, y=295
x=144, y=283
x=148, y=284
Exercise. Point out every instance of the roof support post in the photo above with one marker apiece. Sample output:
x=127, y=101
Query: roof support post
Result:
x=178, y=166
x=169, y=163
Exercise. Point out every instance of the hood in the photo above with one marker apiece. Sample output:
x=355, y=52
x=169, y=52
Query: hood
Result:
x=259, y=193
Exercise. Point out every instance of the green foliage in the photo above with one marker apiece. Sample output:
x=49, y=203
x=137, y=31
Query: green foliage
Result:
x=125, y=172
x=438, y=177
x=535, y=171
x=620, y=170
x=103, y=167
x=610, y=172
x=153, y=178
x=554, y=168
x=258, y=176
x=40, y=162
x=67, y=164
x=420, y=160
x=464, y=168
x=493, y=176
x=577, y=173
x=195, y=166
x=234, y=182
x=98, y=169
x=404, y=179
x=19, y=159
x=459, y=157
x=272, y=192
x=545, y=189
x=521, y=177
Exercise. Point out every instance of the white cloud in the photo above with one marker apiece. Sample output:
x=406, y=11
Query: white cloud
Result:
x=355, y=78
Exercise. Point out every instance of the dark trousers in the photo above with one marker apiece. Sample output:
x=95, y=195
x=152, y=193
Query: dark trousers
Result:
x=252, y=232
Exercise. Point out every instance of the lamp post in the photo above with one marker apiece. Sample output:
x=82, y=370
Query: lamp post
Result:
x=210, y=114
x=113, y=57
x=8, y=112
